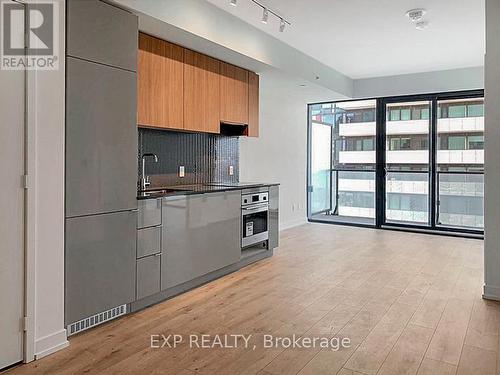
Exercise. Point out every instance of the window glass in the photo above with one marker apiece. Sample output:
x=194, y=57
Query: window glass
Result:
x=424, y=144
x=405, y=143
x=395, y=115
x=456, y=143
x=405, y=114
x=475, y=110
x=476, y=142
x=424, y=114
x=395, y=142
x=368, y=116
x=359, y=145
x=456, y=111
x=368, y=144
x=393, y=202
x=405, y=202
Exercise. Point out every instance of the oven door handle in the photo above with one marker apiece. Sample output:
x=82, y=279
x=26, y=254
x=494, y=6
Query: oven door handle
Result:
x=255, y=209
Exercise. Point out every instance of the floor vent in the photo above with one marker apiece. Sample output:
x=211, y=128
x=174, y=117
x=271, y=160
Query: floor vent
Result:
x=96, y=319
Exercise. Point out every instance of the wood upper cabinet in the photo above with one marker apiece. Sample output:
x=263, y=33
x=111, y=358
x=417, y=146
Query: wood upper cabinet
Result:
x=160, y=83
x=253, y=104
x=201, y=92
x=233, y=94
x=182, y=89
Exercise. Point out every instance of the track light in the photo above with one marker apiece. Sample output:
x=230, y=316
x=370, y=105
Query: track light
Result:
x=282, y=25
x=265, y=15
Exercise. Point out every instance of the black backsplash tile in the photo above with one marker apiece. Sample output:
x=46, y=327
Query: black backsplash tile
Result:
x=206, y=157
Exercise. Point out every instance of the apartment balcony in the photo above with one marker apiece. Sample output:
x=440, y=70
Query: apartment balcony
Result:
x=414, y=157
x=407, y=127
x=461, y=125
x=357, y=129
x=445, y=125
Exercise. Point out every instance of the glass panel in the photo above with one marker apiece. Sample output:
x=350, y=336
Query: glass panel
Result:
x=460, y=165
x=320, y=167
x=456, y=111
x=476, y=142
x=475, y=110
x=368, y=144
x=352, y=148
x=405, y=114
x=461, y=200
x=456, y=143
x=407, y=165
x=394, y=115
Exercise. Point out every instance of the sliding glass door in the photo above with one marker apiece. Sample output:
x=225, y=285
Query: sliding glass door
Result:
x=412, y=162
x=342, y=139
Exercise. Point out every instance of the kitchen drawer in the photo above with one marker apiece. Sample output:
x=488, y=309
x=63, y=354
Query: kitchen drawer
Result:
x=148, y=276
x=149, y=213
x=148, y=241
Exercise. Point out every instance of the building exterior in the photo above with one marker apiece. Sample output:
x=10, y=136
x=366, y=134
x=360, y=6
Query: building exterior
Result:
x=343, y=161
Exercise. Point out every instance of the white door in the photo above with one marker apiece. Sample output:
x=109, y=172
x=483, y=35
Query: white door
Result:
x=12, y=130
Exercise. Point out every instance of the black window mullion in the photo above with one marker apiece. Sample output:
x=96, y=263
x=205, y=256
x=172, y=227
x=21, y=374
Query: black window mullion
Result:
x=380, y=164
x=432, y=163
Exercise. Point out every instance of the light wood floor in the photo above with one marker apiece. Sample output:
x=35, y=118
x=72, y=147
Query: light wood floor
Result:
x=410, y=303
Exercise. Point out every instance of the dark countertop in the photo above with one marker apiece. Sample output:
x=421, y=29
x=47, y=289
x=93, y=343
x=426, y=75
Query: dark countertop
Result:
x=167, y=191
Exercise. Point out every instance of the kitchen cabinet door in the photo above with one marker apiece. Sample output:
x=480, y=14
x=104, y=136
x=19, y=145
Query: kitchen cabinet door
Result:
x=234, y=94
x=201, y=234
x=253, y=104
x=160, y=84
x=101, y=138
x=100, y=263
x=148, y=276
x=201, y=92
x=102, y=33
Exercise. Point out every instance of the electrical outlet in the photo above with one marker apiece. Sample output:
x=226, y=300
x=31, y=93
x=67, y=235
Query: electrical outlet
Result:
x=181, y=171
x=231, y=170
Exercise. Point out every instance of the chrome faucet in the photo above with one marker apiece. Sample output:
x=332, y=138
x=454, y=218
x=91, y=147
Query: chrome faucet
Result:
x=144, y=182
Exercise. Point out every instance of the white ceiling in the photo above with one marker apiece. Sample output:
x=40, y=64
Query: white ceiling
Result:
x=371, y=38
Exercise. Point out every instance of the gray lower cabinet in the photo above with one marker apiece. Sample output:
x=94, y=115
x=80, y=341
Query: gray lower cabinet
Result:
x=148, y=241
x=201, y=234
x=149, y=213
x=100, y=263
x=274, y=192
x=148, y=276
x=102, y=33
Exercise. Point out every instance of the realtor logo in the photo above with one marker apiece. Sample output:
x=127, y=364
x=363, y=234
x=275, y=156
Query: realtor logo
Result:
x=30, y=35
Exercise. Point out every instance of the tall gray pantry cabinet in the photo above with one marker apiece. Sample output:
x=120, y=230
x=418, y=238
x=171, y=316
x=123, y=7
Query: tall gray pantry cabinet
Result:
x=101, y=160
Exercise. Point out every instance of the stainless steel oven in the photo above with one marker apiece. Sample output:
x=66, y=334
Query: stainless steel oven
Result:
x=254, y=218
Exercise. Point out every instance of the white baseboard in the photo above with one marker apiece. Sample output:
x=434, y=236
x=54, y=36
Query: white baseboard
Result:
x=50, y=344
x=491, y=292
x=292, y=223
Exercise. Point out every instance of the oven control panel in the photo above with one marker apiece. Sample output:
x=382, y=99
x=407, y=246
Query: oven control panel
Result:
x=249, y=199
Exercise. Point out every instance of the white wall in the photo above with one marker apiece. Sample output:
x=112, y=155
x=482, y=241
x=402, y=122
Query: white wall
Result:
x=280, y=152
x=420, y=83
x=492, y=152
x=46, y=111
